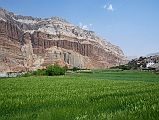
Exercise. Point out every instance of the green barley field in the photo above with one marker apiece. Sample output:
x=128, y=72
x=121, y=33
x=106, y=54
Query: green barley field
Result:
x=100, y=95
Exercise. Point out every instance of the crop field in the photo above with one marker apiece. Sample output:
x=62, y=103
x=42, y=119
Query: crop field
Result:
x=100, y=95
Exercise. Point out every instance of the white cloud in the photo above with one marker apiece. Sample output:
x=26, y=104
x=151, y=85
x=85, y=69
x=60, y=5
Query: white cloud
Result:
x=90, y=25
x=85, y=27
x=80, y=24
x=105, y=6
x=109, y=7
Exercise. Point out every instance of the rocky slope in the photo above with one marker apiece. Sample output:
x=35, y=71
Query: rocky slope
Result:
x=28, y=43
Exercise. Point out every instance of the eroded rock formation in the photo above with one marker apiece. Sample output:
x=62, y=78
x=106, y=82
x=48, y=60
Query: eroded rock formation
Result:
x=28, y=43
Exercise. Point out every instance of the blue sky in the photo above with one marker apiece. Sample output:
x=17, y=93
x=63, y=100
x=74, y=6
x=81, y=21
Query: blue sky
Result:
x=131, y=24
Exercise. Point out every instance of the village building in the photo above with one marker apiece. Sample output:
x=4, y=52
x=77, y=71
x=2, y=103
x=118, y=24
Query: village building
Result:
x=154, y=66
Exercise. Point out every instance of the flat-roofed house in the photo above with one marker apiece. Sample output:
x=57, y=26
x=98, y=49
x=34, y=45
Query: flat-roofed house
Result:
x=155, y=66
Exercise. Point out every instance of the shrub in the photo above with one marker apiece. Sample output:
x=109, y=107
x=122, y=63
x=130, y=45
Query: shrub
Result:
x=39, y=72
x=75, y=68
x=50, y=71
x=55, y=70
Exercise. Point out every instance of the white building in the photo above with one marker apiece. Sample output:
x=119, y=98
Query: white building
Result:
x=149, y=64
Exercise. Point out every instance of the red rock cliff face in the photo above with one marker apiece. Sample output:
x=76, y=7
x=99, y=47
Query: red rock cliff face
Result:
x=11, y=57
x=99, y=58
x=31, y=43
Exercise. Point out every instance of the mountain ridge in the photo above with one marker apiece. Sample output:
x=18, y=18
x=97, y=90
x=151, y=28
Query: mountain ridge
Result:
x=153, y=54
x=41, y=42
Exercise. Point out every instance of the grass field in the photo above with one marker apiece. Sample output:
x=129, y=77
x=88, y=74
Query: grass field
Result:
x=101, y=95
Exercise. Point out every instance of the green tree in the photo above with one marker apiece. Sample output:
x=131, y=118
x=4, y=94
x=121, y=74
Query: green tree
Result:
x=55, y=70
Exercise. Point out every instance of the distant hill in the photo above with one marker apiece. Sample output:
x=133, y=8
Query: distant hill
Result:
x=131, y=57
x=153, y=54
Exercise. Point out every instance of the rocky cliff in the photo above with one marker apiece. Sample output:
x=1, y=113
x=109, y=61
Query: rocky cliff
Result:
x=28, y=43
